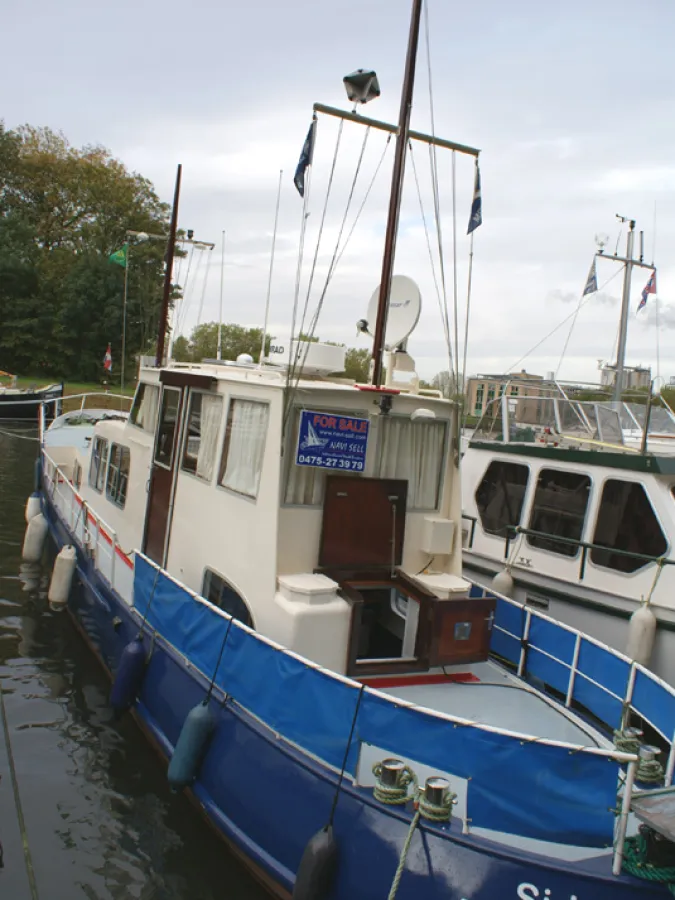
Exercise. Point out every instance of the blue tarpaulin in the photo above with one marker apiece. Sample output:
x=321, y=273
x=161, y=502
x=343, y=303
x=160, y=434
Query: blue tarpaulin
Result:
x=532, y=789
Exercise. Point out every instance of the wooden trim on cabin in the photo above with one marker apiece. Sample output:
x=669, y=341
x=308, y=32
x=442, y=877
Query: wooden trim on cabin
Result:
x=182, y=379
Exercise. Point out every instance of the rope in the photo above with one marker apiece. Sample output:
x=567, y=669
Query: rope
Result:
x=220, y=656
x=398, y=796
x=206, y=280
x=468, y=310
x=17, y=800
x=560, y=324
x=21, y=437
x=333, y=262
x=635, y=863
x=346, y=756
x=294, y=362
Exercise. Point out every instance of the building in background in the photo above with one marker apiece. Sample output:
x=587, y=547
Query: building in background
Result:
x=633, y=376
x=482, y=389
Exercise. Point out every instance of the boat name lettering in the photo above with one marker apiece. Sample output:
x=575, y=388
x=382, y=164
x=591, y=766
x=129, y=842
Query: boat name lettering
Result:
x=527, y=891
x=525, y=562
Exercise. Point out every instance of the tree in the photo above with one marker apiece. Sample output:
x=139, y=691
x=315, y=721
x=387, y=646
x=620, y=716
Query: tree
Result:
x=63, y=210
x=357, y=364
x=203, y=343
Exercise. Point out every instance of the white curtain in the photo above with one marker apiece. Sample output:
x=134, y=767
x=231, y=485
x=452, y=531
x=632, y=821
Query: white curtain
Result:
x=245, y=441
x=412, y=451
x=208, y=440
x=147, y=410
x=304, y=486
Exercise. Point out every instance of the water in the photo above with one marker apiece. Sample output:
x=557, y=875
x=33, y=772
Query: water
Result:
x=100, y=821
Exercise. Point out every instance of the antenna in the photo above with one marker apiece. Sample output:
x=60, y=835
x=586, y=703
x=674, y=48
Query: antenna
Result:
x=405, y=305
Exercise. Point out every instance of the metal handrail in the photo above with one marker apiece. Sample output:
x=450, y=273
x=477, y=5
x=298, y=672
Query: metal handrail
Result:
x=512, y=531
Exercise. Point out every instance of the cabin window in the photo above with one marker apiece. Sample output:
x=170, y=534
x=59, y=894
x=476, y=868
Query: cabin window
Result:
x=413, y=452
x=218, y=591
x=500, y=496
x=559, y=509
x=626, y=521
x=99, y=462
x=118, y=475
x=167, y=426
x=201, y=441
x=244, y=446
x=144, y=410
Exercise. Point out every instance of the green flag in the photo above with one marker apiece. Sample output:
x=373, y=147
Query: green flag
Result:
x=120, y=256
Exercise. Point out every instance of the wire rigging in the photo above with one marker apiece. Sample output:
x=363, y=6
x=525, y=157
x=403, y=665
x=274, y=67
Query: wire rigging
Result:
x=559, y=325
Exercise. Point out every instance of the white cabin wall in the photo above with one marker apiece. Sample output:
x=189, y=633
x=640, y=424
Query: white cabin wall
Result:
x=232, y=534
x=128, y=522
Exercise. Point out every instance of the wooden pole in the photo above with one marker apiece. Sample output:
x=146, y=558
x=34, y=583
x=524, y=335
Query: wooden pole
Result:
x=164, y=315
x=396, y=191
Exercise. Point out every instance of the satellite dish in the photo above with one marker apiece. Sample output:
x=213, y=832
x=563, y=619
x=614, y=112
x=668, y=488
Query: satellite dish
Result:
x=405, y=305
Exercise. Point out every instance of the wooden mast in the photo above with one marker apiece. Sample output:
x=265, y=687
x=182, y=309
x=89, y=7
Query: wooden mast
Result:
x=164, y=314
x=396, y=191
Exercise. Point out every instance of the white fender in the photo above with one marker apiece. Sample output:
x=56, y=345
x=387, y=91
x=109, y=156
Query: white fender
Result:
x=34, y=541
x=503, y=583
x=62, y=577
x=641, y=635
x=33, y=506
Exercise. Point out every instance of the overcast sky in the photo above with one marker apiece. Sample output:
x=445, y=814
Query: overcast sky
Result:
x=572, y=106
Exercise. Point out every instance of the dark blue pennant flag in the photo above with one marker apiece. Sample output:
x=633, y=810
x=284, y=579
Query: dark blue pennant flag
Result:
x=305, y=159
x=476, y=217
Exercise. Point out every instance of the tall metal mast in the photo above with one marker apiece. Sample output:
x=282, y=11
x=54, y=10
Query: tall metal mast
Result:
x=164, y=315
x=396, y=191
x=625, y=303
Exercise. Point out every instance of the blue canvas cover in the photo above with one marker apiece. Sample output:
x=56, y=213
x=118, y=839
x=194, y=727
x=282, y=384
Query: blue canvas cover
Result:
x=532, y=789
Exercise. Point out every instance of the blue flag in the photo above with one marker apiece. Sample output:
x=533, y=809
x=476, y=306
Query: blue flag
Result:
x=476, y=217
x=305, y=159
x=591, y=281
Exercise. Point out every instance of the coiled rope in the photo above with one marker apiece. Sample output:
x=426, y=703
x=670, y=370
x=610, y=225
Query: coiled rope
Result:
x=397, y=795
x=635, y=863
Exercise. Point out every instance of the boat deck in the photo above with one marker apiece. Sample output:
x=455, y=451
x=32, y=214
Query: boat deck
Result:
x=487, y=693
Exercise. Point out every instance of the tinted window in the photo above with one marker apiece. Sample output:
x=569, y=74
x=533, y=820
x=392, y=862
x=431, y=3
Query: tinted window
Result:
x=99, y=462
x=500, y=495
x=118, y=474
x=167, y=426
x=626, y=521
x=559, y=509
x=218, y=591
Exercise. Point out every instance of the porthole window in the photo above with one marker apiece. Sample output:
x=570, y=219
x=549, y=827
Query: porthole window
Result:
x=218, y=591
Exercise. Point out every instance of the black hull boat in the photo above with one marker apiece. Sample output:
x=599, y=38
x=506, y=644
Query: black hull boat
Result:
x=25, y=404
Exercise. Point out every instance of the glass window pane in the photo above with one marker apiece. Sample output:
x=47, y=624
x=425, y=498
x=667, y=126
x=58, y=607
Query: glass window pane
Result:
x=218, y=591
x=201, y=442
x=144, y=410
x=118, y=474
x=167, y=427
x=559, y=509
x=500, y=496
x=626, y=521
x=244, y=446
x=99, y=463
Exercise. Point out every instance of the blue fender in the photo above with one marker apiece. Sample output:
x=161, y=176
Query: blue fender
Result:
x=317, y=868
x=129, y=676
x=191, y=746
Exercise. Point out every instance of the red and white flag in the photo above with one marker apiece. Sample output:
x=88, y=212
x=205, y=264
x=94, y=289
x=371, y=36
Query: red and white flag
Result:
x=107, y=360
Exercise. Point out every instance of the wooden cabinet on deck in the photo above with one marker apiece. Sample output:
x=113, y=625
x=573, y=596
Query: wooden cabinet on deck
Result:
x=459, y=630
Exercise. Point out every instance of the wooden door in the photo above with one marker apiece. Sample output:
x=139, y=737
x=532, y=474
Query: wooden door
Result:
x=363, y=522
x=165, y=462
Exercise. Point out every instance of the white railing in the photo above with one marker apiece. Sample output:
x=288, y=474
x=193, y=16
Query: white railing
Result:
x=93, y=534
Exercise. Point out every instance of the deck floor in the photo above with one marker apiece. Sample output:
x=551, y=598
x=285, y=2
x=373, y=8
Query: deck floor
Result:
x=502, y=700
